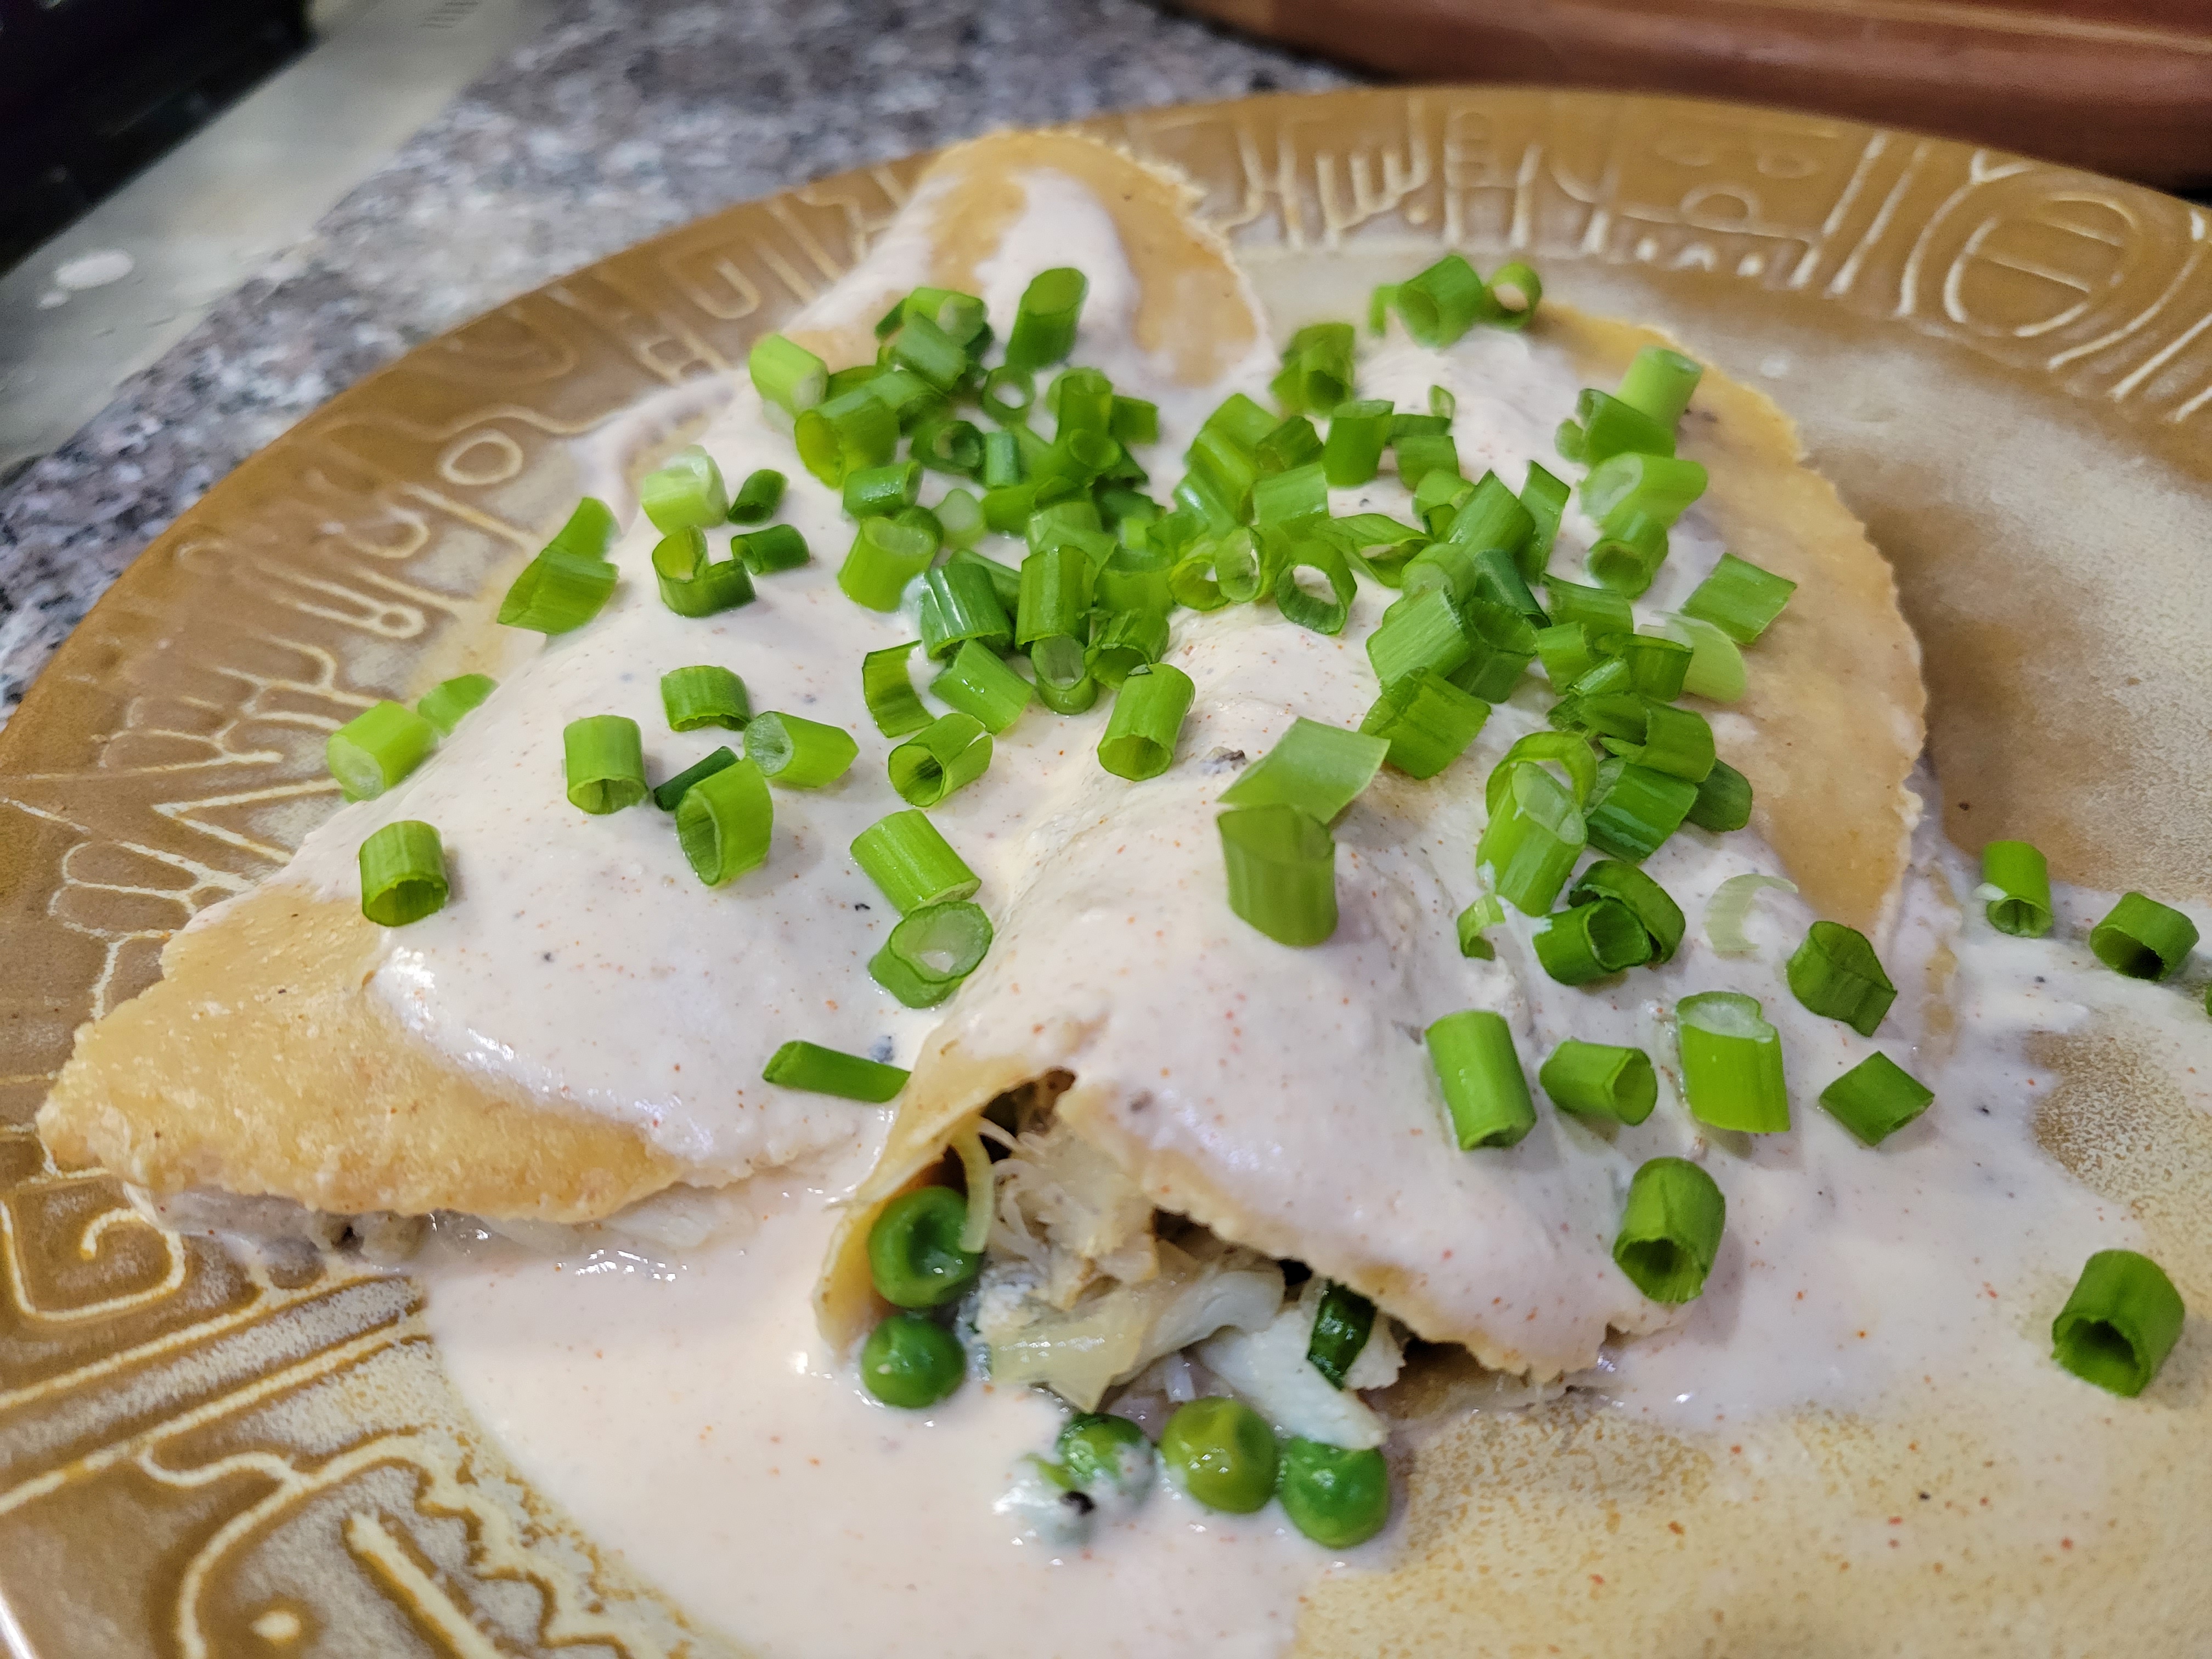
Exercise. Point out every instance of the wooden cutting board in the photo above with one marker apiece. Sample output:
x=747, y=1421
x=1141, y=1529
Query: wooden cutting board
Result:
x=2124, y=87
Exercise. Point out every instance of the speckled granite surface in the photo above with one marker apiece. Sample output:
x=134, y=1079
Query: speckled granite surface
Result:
x=624, y=117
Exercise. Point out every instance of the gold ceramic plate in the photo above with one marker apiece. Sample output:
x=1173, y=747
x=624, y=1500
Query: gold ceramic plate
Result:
x=2006, y=367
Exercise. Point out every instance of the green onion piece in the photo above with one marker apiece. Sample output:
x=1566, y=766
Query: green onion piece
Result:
x=1002, y=471
x=670, y=795
x=589, y=532
x=1318, y=768
x=1660, y=485
x=931, y=951
x=1498, y=578
x=1485, y=913
x=1500, y=647
x=870, y=489
x=1243, y=564
x=1448, y=565
x=1731, y=1063
x=1600, y=610
x=1195, y=579
x=1595, y=1079
x=893, y=704
x=402, y=873
x=1128, y=512
x=685, y=492
x=603, y=758
x=692, y=584
x=914, y=403
x=1081, y=400
x=1635, y=809
x=2142, y=939
x=558, y=592
x=1427, y=720
x=1417, y=426
x=961, y=516
x=704, y=695
x=976, y=681
x=930, y=352
x=1323, y=612
x=445, y=703
x=1654, y=910
x=799, y=754
x=1442, y=302
x=1572, y=443
x=948, y=753
x=1515, y=293
x=1226, y=469
x=1419, y=632
x=1055, y=594
x=1378, y=306
x=1738, y=598
x=1723, y=801
x=1485, y=1096
x=1418, y=455
x=724, y=821
x=1134, y=420
x=1065, y=683
x=1135, y=579
x=1569, y=749
x=1045, y=322
x=859, y=378
x=1291, y=444
x=1658, y=384
x=1139, y=739
x=960, y=606
x=2120, y=1324
x=1543, y=497
x=1610, y=710
x=377, y=748
x=907, y=857
x=1631, y=545
x=1288, y=497
x=844, y=434
x=885, y=556
x=1443, y=404
x=1876, y=1099
x=1677, y=742
x=1565, y=651
x=1590, y=941
x=1439, y=497
x=1281, y=865
x=1715, y=669
x=1657, y=668
x=1533, y=838
x=1492, y=516
x=1609, y=428
x=773, y=548
x=2020, y=902
x=786, y=374
x=1729, y=908
x=1122, y=641
x=1836, y=974
x=1316, y=370
x=758, y=497
x=821, y=1071
x=1007, y=396
x=1341, y=1325
x=1006, y=582
x=1670, y=1230
x=1357, y=432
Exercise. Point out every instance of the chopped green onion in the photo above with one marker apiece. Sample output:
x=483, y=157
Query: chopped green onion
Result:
x=1241, y=565
x=1417, y=426
x=1291, y=444
x=1659, y=486
x=907, y=858
x=1836, y=974
x=1635, y=809
x=1500, y=647
x=885, y=556
x=886, y=489
x=558, y=591
x=1598, y=608
x=1122, y=641
x=1515, y=292
x=1419, y=632
x=1609, y=427
x=588, y=533
x=1545, y=498
x=1533, y=838
x=1715, y=669
x=1195, y=579
x=1595, y=1079
x=1723, y=801
x=1469, y=925
x=1876, y=1099
x=402, y=873
x=1055, y=594
x=846, y=433
x=859, y=378
x=758, y=497
x=1301, y=604
x=1342, y=1327
x=2142, y=939
x=1651, y=905
x=1225, y=470
x=603, y=758
x=1357, y=432
x=1738, y=598
x=1498, y=578
x=776, y=547
x=948, y=753
x=1135, y=579
x=961, y=515
x=1670, y=1230
x=445, y=703
x=1003, y=471
x=691, y=584
x=786, y=374
x=914, y=403
x=931, y=951
x=704, y=695
x=1064, y=681
x=377, y=748
x=1442, y=302
x=1731, y=1063
x=1378, y=306
x=1287, y=497
x=670, y=795
x=821, y=1071
x=1657, y=668
x=1316, y=370
x=799, y=754
x=978, y=682
x=686, y=493
x=1590, y=941
x=1676, y=742
x=724, y=821
x=1658, y=384
x=1485, y=1096
x=1134, y=420
x=930, y=352
x=2120, y=1324
x=1568, y=748
x=2020, y=902
x=1045, y=322
x=954, y=446
x=893, y=704
x=1139, y=739
x=1729, y=908
x=1281, y=865
x=1621, y=717
x=1631, y=545
x=1007, y=395
x=1427, y=720
x=960, y=606
x=1492, y=516
x=1443, y=404
x=1419, y=454
x=1315, y=768
x=1565, y=651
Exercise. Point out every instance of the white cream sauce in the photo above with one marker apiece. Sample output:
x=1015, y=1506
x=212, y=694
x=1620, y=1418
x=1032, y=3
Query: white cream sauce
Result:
x=686, y=1409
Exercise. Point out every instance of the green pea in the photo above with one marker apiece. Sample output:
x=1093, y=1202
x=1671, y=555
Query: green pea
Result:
x=1222, y=1452
x=1106, y=1457
x=912, y=1361
x=913, y=1250
x=1335, y=1497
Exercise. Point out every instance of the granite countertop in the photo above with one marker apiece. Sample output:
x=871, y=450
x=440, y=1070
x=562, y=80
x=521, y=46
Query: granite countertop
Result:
x=622, y=119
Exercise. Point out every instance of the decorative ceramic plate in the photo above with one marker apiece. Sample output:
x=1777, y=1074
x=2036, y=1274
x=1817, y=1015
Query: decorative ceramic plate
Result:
x=1999, y=363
